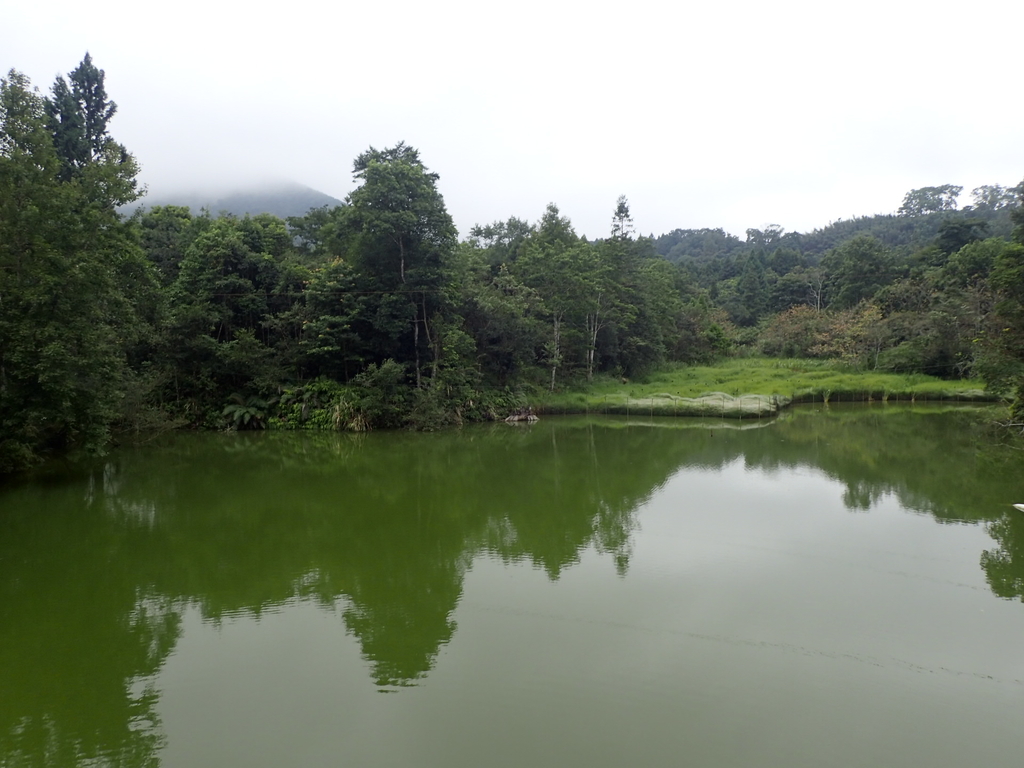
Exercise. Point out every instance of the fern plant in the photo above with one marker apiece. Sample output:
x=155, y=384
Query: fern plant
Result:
x=247, y=413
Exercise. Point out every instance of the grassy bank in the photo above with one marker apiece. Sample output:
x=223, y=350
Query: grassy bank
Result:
x=753, y=387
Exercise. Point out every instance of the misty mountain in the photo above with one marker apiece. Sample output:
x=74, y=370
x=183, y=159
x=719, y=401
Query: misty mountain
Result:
x=281, y=200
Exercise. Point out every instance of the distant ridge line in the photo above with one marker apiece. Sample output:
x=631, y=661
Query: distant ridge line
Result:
x=281, y=200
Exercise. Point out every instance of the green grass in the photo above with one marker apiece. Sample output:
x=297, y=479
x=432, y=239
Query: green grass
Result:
x=745, y=387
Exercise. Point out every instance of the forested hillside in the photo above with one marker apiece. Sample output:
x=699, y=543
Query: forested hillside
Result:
x=373, y=313
x=925, y=213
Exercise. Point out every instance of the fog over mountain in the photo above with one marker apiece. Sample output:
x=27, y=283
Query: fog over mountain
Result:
x=280, y=198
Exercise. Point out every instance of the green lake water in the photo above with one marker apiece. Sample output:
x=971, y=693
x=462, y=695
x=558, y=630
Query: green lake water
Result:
x=839, y=587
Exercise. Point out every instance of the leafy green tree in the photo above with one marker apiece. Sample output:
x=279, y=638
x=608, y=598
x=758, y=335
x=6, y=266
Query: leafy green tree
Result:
x=384, y=398
x=559, y=275
x=954, y=234
x=857, y=269
x=918, y=202
x=501, y=241
x=655, y=329
x=267, y=234
x=797, y=287
x=164, y=233
x=505, y=317
x=643, y=307
x=403, y=241
x=554, y=263
x=220, y=335
x=992, y=196
x=1001, y=362
x=752, y=293
x=782, y=261
x=766, y=239
x=68, y=270
x=328, y=343
x=1003, y=367
x=321, y=234
x=972, y=264
x=703, y=331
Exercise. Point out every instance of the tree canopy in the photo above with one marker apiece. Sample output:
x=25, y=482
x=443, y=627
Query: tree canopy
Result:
x=372, y=313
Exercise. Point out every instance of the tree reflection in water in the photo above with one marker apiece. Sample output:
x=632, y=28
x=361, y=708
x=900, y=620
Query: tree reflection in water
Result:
x=97, y=567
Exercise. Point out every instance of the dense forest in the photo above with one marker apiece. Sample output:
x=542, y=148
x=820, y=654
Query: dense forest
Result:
x=373, y=313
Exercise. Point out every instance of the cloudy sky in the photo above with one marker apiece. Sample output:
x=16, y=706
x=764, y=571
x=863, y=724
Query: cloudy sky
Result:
x=724, y=114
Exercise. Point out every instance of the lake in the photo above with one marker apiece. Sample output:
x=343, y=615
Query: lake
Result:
x=838, y=587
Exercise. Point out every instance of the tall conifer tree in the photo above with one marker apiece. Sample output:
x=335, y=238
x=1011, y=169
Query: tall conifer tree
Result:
x=77, y=117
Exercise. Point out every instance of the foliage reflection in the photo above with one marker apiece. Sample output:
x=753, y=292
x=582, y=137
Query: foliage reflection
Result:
x=97, y=569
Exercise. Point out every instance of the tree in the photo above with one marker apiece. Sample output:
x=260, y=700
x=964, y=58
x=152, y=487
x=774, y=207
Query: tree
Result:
x=857, y=269
x=403, y=242
x=766, y=238
x=622, y=221
x=954, y=234
x=918, y=202
x=796, y=287
x=66, y=124
x=784, y=260
x=598, y=297
x=751, y=293
x=970, y=266
x=654, y=325
x=856, y=336
x=501, y=241
x=1003, y=365
x=793, y=332
x=504, y=315
x=69, y=270
x=321, y=234
x=554, y=264
x=328, y=343
x=992, y=196
x=218, y=337
x=77, y=117
x=165, y=231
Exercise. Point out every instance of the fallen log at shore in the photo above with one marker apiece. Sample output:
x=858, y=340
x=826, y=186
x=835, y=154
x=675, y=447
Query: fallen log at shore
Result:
x=523, y=414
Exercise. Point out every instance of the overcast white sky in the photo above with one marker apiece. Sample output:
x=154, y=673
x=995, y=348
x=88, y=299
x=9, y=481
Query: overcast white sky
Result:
x=709, y=114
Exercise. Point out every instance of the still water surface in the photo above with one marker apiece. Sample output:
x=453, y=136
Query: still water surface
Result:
x=835, y=588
